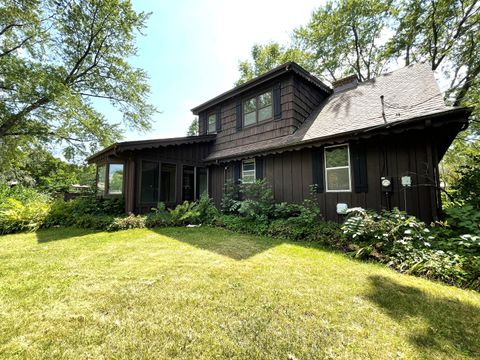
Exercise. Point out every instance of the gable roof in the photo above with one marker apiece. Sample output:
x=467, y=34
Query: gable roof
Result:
x=410, y=93
x=149, y=144
x=270, y=75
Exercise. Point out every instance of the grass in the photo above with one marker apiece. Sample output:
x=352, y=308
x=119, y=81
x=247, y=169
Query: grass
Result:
x=207, y=293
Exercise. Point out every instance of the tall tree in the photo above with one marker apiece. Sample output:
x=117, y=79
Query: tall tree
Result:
x=266, y=57
x=193, y=127
x=57, y=59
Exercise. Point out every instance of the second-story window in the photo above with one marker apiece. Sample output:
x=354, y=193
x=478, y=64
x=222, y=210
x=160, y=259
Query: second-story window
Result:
x=212, y=124
x=257, y=109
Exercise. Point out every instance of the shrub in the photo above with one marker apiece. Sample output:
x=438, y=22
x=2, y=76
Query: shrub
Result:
x=407, y=245
x=95, y=222
x=22, y=209
x=81, y=212
x=231, y=196
x=158, y=217
x=257, y=201
x=464, y=219
x=130, y=222
x=243, y=225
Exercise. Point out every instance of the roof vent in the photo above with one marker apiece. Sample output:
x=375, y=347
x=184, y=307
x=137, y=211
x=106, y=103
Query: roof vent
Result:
x=348, y=82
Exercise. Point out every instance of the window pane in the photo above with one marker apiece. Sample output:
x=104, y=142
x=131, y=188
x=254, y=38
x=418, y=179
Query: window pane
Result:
x=187, y=183
x=248, y=171
x=167, y=186
x=250, y=105
x=265, y=113
x=248, y=165
x=338, y=179
x=265, y=100
x=115, y=178
x=336, y=156
x=250, y=118
x=201, y=181
x=212, y=126
x=101, y=179
x=149, y=185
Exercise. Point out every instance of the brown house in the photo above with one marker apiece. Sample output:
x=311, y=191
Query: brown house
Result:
x=374, y=144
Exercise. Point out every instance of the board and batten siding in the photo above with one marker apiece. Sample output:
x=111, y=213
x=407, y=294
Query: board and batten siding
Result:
x=291, y=176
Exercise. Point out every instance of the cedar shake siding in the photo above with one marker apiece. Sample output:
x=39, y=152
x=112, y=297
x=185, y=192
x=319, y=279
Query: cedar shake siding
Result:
x=298, y=98
x=396, y=125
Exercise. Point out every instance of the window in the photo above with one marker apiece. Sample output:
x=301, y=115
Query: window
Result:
x=248, y=171
x=101, y=179
x=337, y=168
x=167, y=183
x=257, y=109
x=115, y=179
x=212, y=123
x=149, y=182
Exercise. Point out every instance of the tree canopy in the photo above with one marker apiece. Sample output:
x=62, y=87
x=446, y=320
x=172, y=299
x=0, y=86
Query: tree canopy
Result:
x=58, y=58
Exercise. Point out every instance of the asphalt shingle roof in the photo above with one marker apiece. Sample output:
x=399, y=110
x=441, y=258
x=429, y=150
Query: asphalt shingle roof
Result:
x=408, y=93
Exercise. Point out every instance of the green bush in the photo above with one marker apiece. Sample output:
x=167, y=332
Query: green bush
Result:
x=464, y=219
x=22, y=209
x=243, y=225
x=95, y=222
x=408, y=245
x=231, y=196
x=130, y=222
x=82, y=211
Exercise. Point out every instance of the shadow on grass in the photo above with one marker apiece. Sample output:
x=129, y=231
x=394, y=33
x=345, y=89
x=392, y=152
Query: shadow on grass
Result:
x=450, y=323
x=62, y=233
x=233, y=245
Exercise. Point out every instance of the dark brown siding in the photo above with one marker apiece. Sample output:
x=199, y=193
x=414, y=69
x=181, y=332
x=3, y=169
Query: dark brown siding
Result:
x=298, y=99
x=410, y=153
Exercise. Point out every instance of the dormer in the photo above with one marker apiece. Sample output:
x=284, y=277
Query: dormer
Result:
x=270, y=106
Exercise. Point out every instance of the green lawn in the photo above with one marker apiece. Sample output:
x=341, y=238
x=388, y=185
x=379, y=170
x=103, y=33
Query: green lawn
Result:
x=208, y=293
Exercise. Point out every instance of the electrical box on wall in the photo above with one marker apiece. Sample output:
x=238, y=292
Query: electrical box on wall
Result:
x=387, y=183
x=406, y=181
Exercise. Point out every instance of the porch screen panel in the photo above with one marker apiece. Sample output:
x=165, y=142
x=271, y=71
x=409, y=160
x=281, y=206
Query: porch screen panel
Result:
x=167, y=183
x=149, y=184
x=188, y=190
x=201, y=181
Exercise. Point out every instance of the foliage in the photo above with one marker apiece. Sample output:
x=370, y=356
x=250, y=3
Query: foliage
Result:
x=56, y=57
x=193, y=128
x=36, y=166
x=467, y=187
x=22, y=209
x=85, y=212
x=409, y=246
x=243, y=225
x=231, y=195
x=465, y=219
x=268, y=56
x=130, y=222
x=257, y=200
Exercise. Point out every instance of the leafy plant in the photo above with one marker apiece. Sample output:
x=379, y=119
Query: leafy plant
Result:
x=130, y=222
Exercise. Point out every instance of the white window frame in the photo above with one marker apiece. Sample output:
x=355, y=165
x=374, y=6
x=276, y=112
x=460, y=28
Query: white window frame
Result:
x=214, y=124
x=254, y=171
x=338, y=167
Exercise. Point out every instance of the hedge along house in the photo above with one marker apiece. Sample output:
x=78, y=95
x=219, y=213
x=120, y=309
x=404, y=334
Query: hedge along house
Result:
x=374, y=144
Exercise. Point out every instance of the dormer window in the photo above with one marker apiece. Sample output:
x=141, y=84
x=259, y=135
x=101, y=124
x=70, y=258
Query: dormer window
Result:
x=257, y=109
x=212, y=123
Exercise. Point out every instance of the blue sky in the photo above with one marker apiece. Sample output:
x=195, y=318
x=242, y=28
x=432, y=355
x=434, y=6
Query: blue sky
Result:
x=191, y=51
